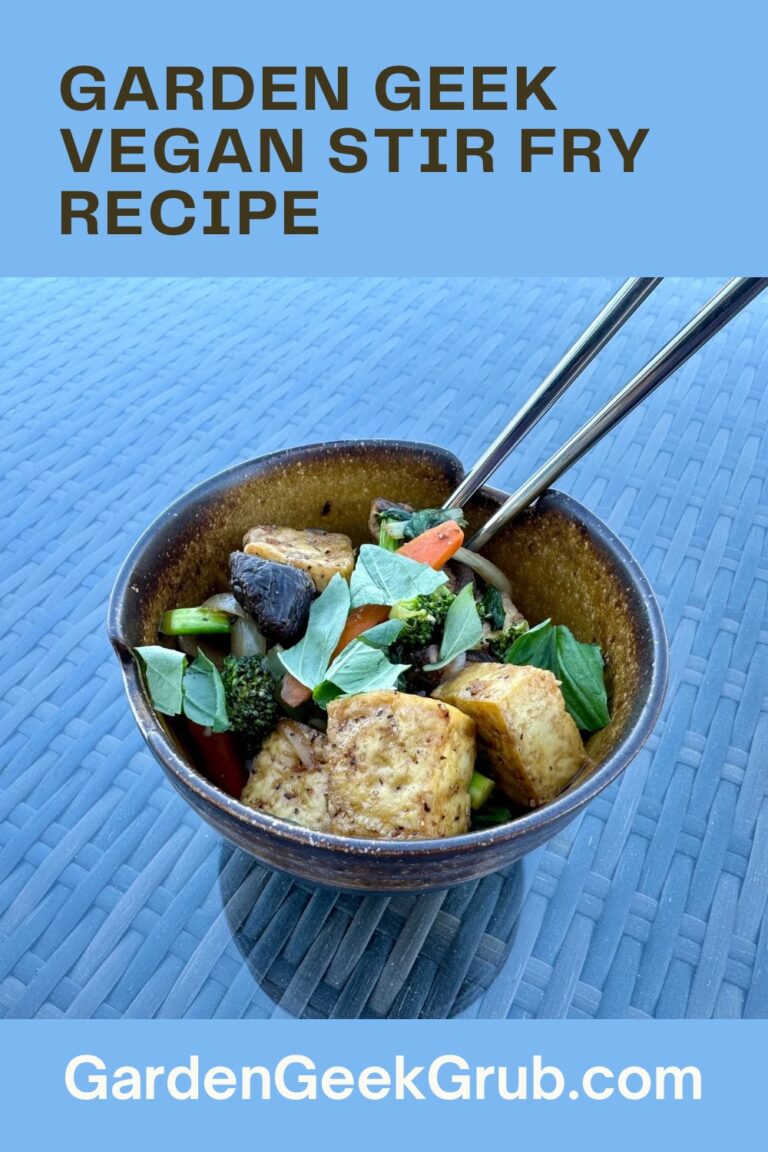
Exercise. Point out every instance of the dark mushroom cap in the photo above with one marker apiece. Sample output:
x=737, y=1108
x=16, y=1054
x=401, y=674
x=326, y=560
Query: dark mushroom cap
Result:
x=277, y=596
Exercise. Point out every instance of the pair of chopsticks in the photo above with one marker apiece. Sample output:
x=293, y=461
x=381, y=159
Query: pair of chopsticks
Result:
x=715, y=314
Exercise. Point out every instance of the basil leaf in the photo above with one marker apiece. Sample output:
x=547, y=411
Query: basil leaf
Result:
x=308, y=660
x=463, y=629
x=359, y=668
x=537, y=647
x=578, y=667
x=326, y=692
x=204, y=701
x=382, y=577
x=581, y=681
x=163, y=674
x=382, y=635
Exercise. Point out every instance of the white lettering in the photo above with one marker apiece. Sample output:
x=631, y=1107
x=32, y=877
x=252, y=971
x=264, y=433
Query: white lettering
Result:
x=462, y=1091
x=99, y=1092
x=308, y=1091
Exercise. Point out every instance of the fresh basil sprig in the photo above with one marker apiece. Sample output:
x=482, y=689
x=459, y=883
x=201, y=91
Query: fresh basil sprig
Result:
x=197, y=690
x=578, y=667
x=382, y=577
x=308, y=660
x=463, y=629
x=163, y=670
x=204, y=701
x=382, y=635
x=359, y=668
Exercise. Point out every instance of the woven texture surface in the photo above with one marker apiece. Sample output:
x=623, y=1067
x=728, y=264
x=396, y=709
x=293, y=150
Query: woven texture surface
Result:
x=116, y=901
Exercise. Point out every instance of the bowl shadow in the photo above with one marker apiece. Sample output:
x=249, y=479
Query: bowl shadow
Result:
x=322, y=954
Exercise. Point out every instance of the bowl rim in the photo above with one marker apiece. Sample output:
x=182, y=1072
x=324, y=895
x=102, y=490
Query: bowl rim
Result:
x=533, y=823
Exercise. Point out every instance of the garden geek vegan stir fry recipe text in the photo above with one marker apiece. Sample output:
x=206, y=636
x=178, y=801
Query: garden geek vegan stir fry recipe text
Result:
x=393, y=693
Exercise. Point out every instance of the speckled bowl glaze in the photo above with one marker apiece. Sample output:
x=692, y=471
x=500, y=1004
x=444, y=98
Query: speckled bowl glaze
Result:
x=563, y=563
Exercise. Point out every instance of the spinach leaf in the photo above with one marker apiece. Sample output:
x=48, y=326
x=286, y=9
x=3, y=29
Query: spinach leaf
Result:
x=359, y=668
x=429, y=517
x=309, y=659
x=463, y=629
x=204, y=700
x=163, y=670
x=397, y=525
x=489, y=815
x=578, y=667
x=492, y=608
x=382, y=577
x=382, y=635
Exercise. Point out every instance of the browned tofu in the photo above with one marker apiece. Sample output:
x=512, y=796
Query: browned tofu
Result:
x=321, y=554
x=531, y=744
x=285, y=785
x=399, y=766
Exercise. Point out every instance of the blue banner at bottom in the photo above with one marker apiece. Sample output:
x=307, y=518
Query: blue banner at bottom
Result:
x=382, y=1086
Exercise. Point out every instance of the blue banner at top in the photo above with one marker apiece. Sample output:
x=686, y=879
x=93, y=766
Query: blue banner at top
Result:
x=411, y=139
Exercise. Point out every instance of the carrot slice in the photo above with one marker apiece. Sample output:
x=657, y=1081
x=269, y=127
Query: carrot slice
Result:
x=435, y=546
x=293, y=692
x=359, y=621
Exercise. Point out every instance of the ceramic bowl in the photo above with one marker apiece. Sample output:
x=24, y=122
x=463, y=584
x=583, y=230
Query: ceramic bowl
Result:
x=564, y=563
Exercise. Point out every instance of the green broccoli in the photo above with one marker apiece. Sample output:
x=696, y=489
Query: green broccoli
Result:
x=422, y=617
x=500, y=644
x=251, y=704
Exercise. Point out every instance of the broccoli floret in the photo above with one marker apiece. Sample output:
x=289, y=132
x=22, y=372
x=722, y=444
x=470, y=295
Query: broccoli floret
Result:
x=500, y=644
x=251, y=704
x=422, y=618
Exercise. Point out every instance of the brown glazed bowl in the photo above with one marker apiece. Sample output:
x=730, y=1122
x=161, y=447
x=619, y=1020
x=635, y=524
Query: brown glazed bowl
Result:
x=563, y=562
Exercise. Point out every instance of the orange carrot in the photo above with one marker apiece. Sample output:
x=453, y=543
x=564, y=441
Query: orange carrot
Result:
x=435, y=546
x=293, y=692
x=359, y=621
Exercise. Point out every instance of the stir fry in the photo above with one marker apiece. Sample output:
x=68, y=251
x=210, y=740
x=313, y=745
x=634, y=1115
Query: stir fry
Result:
x=393, y=692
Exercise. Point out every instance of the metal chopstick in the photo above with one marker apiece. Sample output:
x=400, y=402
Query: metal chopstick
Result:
x=734, y=296
x=605, y=325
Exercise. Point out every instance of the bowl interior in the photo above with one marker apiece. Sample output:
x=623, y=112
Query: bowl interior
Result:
x=562, y=562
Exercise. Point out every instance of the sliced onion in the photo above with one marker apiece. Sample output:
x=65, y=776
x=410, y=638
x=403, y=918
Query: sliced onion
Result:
x=188, y=645
x=191, y=645
x=246, y=638
x=225, y=602
x=454, y=667
x=489, y=572
x=301, y=745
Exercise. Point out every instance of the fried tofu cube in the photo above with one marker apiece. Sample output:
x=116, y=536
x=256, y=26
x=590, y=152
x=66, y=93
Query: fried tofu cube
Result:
x=399, y=766
x=288, y=779
x=531, y=744
x=321, y=554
